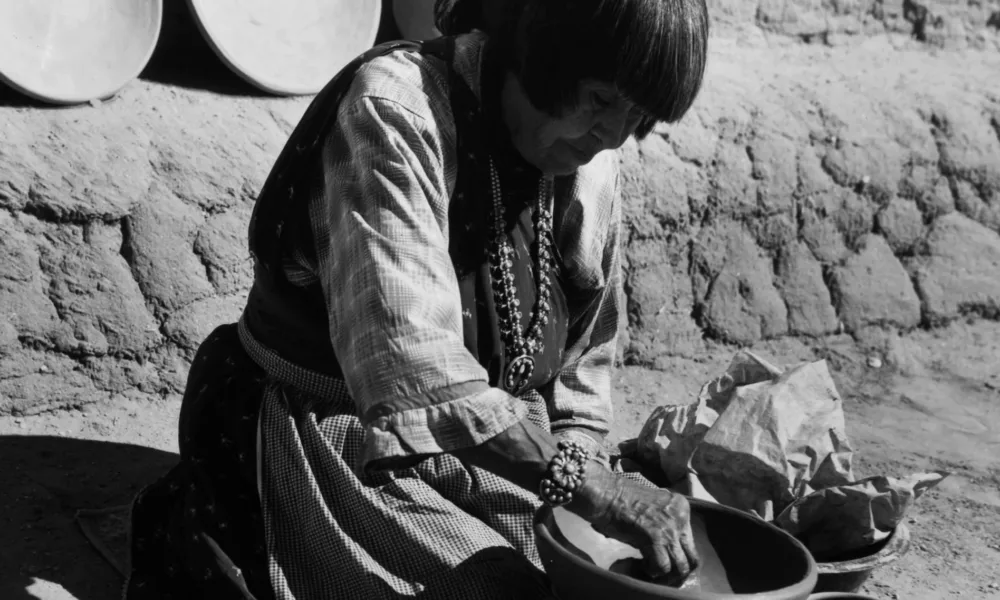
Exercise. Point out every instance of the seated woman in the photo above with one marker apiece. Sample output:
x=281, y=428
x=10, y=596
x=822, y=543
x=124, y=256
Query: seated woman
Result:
x=426, y=353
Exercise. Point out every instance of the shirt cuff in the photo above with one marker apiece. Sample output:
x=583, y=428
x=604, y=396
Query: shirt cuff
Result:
x=440, y=428
x=588, y=441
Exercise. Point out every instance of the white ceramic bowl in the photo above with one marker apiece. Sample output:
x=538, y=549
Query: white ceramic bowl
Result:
x=288, y=47
x=73, y=51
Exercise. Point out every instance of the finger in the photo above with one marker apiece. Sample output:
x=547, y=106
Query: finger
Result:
x=682, y=568
x=689, y=548
x=657, y=561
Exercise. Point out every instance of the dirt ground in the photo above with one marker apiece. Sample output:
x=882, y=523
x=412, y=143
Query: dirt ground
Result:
x=934, y=403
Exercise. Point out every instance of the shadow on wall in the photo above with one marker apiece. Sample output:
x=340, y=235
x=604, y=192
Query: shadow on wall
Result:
x=11, y=98
x=184, y=58
x=43, y=482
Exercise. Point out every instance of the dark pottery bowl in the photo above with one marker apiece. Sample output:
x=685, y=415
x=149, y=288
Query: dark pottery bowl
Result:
x=848, y=573
x=760, y=560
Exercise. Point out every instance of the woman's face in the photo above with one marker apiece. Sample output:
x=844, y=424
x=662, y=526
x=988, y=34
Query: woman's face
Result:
x=602, y=119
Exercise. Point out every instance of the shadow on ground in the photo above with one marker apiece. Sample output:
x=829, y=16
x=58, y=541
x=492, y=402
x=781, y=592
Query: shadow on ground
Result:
x=43, y=482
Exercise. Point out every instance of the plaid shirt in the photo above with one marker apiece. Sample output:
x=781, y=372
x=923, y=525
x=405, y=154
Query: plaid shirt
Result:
x=380, y=223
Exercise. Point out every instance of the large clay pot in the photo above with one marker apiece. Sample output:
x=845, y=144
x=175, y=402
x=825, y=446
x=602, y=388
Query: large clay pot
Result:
x=73, y=51
x=289, y=47
x=415, y=19
x=760, y=560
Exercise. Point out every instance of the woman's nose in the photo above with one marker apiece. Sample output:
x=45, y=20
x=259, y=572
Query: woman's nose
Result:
x=615, y=124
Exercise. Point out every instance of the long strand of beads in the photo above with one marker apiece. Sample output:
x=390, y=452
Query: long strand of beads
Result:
x=519, y=347
x=543, y=259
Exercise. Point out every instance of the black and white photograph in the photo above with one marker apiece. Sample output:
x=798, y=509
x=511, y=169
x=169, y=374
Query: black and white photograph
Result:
x=499, y=299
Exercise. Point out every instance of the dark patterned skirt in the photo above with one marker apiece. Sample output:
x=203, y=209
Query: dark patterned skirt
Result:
x=288, y=517
x=198, y=532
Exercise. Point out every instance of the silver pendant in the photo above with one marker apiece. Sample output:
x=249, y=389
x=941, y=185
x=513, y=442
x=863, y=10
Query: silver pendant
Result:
x=518, y=373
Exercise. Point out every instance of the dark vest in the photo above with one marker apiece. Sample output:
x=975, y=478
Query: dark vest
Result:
x=292, y=320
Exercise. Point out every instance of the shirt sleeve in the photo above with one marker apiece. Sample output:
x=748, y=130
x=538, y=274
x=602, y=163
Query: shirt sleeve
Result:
x=391, y=290
x=579, y=398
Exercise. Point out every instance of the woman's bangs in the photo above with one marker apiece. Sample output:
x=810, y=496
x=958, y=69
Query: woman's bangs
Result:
x=662, y=52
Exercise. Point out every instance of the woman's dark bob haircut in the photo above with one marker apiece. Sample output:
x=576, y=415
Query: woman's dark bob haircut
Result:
x=654, y=51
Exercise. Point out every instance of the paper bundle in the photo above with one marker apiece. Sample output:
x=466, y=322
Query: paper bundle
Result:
x=772, y=442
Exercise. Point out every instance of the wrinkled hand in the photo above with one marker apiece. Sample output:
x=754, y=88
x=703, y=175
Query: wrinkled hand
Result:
x=653, y=520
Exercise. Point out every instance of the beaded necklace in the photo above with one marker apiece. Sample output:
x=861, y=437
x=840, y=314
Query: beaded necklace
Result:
x=520, y=347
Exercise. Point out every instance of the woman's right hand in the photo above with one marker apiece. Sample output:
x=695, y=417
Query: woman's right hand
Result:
x=656, y=521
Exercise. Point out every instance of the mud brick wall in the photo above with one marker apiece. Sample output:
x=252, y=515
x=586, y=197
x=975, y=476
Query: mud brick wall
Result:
x=841, y=170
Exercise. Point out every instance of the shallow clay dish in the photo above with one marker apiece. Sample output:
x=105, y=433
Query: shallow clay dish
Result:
x=72, y=51
x=289, y=47
x=850, y=572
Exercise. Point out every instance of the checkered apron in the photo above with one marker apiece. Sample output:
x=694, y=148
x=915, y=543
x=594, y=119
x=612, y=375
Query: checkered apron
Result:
x=440, y=529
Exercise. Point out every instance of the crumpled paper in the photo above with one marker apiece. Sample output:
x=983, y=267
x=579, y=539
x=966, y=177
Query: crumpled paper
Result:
x=772, y=441
x=837, y=520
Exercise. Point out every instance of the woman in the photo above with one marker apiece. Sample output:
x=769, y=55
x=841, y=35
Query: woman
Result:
x=425, y=355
